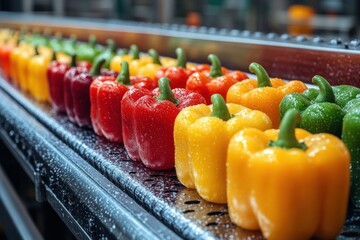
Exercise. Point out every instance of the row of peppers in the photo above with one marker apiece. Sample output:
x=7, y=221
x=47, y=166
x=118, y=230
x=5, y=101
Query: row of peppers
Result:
x=169, y=113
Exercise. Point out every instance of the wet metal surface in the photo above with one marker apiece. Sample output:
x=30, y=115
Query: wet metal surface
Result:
x=159, y=192
x=91, y=206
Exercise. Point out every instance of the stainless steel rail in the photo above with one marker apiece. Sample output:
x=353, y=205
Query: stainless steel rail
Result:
x=283, y=56
x=88, y=202
x=14, y=216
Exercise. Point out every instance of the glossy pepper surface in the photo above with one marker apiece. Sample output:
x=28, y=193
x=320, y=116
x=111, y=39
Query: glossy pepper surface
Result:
x=178, y=74
x=351, y=137
x=289, y=188
x=319, y=115
x=265, y=94
x=77, y=83
x=55, y=75
x=5, y=53
x=106, y=93
x=149, y=69
x=214, y=81
x=201, y=136
x=343, y=93
x=148, y=122
x=38, y=85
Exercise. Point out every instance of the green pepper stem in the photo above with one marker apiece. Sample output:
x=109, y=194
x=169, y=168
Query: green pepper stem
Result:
x=215, y=70
x=287, y=138
x=326, y=93
x=219, y=109
x=262, y=76
x=95, y=70
x=135, y=51
x=181, y=58
x=73, y=60
x=124, y=76
x=165, y=91
x=36, y=48
x=53, y=57
x=155, y=56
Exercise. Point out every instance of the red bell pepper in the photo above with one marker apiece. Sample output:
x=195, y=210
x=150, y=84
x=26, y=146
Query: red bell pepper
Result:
x=148, y=122
x=106, y=93
x=56, y=78
x=178, y=74
x=77, y=91
x=214, y=81
x=55, y=75
x=5, y=51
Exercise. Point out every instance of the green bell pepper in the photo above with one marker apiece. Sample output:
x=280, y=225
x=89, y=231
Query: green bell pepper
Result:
x=343, y=93
x=69, y=45
x=56, y=43
x=87, y=51
x=351, y=137
x=319, y=115
x=108, y=53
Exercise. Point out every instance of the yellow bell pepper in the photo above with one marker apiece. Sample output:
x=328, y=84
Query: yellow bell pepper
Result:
x=37, y=76
x=22, y=63
x=201, y=136
x=288, y=189
x=149, y=69
x=135, y=61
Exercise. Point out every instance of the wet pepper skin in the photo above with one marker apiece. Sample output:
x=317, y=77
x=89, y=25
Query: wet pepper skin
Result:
x=178, y=74
x=215, y=80
x=201, y=136
x=263, y=94
x=77, y=92
x=55, y=76
x=289, y=189
x=106, y=93
x=148, y=121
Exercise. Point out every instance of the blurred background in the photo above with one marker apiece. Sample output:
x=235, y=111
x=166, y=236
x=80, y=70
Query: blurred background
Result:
x=312, y=17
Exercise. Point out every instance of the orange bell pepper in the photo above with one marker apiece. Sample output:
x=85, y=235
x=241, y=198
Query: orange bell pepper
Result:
x=265, y=94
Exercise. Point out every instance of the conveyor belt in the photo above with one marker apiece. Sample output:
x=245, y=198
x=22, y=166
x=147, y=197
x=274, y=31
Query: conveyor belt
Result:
x=160, y=193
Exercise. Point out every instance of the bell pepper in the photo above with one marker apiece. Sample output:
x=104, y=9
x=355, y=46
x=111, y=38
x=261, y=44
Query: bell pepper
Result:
x=69, y=45
x=351, y=137
x=343, y=93
x=321, y=115
x=5, y=52
x=77, y=83
x=135, y=61
x=215, y=81
x=265, y=94
x=149, y=69
x=55, y=75
x=178, y=74
x=56, y=43
x=148, y=121
x=107, y=54
x=87, y=51
x=38, y=85
x=201, y=136
x=289, y=188
x=106, y=93
x=22, y=66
